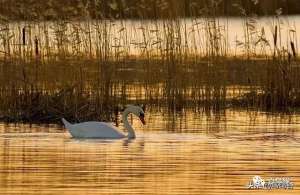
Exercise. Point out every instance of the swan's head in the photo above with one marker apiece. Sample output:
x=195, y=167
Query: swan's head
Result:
x=138, y=111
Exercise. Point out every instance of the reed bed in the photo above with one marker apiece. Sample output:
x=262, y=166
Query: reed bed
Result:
x=90, y=69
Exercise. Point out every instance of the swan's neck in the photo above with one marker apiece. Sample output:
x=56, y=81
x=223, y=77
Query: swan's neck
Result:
x=131, y=133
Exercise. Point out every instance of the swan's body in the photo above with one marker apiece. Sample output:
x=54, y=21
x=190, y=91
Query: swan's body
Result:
x=104, y=130
x=93, y=130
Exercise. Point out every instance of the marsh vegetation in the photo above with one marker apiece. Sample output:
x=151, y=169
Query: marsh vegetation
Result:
x=89, y=68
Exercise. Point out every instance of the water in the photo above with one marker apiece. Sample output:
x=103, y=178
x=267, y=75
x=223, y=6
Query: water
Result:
x=182, y=153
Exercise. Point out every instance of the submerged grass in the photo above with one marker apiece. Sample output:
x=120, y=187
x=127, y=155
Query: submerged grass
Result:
x=85, y=70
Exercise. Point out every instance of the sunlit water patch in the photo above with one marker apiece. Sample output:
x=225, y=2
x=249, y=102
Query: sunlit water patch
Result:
x=186, y=153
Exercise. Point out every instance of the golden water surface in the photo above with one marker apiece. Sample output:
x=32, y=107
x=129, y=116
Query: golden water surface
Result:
x=184, y=153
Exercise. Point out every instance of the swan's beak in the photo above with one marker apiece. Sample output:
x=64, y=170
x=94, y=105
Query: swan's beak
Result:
x=142, y=118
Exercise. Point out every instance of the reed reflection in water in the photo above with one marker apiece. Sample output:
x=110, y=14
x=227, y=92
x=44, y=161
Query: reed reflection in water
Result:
x=185, y=153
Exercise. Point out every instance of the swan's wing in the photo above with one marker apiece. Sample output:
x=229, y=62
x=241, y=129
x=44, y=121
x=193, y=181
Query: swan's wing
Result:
x=95, y=130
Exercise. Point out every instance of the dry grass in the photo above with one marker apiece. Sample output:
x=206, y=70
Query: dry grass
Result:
x=81, y=70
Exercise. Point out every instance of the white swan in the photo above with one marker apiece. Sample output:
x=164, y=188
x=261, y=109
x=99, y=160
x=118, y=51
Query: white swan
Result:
x=105, y=130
